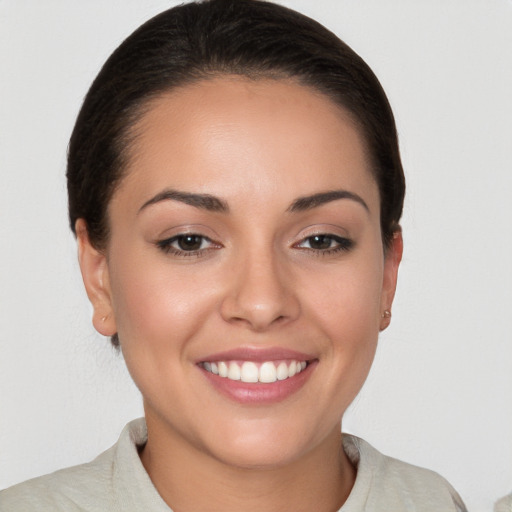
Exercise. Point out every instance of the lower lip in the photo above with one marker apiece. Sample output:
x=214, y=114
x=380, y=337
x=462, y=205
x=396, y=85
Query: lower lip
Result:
x=258, y=392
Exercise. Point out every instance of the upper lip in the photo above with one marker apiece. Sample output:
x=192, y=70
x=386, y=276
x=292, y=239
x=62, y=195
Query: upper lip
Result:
x=257, y=355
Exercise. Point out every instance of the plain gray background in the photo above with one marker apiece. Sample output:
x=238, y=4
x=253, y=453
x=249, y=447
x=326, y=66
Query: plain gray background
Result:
x=440, y=392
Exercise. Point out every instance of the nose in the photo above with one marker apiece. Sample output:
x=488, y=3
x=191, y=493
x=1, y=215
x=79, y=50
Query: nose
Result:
x=260, y=293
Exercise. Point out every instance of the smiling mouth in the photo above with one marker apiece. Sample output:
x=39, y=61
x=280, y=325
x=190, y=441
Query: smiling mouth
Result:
x=266, y=372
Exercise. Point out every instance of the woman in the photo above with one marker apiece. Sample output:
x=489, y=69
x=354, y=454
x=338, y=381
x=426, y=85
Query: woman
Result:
x=235, y=188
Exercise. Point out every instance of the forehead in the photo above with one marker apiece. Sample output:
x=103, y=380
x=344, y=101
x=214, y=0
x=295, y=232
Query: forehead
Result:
x=228, y=135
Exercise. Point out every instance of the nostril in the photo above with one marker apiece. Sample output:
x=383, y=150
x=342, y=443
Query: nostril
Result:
x=259, y=299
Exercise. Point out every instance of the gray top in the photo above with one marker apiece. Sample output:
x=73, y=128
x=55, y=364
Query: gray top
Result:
x=504, y=505
x=116, y=481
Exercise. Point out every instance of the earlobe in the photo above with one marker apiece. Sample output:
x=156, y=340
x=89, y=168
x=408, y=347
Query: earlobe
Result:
x=392, y=260
x=93, y=265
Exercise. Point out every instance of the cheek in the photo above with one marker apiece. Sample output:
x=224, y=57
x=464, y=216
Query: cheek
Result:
x=155, y=304
x=345, y=303
x=158, y=314
x=347, y=298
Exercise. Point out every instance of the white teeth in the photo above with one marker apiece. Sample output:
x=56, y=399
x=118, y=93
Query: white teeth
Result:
x=282, y=371
x=223, y=369
x=268, y=372
x=234, y=371
x=248, y=371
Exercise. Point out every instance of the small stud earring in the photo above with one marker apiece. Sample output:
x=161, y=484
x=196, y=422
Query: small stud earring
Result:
x=386, y=314
x=104, y=318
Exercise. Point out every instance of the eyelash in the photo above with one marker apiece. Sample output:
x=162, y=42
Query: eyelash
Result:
x=342, y=245
x=167, y=245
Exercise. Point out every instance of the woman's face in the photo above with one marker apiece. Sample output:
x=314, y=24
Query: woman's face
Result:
x=245, y=241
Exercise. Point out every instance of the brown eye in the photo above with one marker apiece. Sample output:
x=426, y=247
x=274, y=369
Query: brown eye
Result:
x=325, y=243
x=189, y=242
x=320, y=242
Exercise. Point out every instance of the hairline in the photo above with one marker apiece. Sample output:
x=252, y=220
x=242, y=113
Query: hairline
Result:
x=132, y=121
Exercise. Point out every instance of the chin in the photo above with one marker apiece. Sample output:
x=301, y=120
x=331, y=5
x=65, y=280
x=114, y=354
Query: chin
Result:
x=264, y=446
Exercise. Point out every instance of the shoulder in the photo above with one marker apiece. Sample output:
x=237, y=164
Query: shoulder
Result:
x=399, y=486
x=504, y=505
x=79, y=488
x=97, y=486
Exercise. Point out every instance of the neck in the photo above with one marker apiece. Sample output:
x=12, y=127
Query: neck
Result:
x=189, y=479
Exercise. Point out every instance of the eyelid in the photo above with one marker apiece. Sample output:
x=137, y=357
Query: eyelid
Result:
x=321, y=229
x=176, y=238
x=167, y=240
x=343, y=242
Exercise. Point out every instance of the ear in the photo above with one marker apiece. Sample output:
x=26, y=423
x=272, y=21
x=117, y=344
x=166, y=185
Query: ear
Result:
x=94, y=268
x=392, y=259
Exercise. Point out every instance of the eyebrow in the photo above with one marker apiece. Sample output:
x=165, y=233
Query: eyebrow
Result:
x=214, y=204
x=202, y=201
x=313, y=201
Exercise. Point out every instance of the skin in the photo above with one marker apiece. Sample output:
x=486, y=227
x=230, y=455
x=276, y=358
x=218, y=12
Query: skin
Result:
x=258, y=146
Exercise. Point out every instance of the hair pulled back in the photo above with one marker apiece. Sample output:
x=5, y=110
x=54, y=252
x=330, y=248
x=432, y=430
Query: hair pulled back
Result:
x=196, y=41
x=202, y=40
